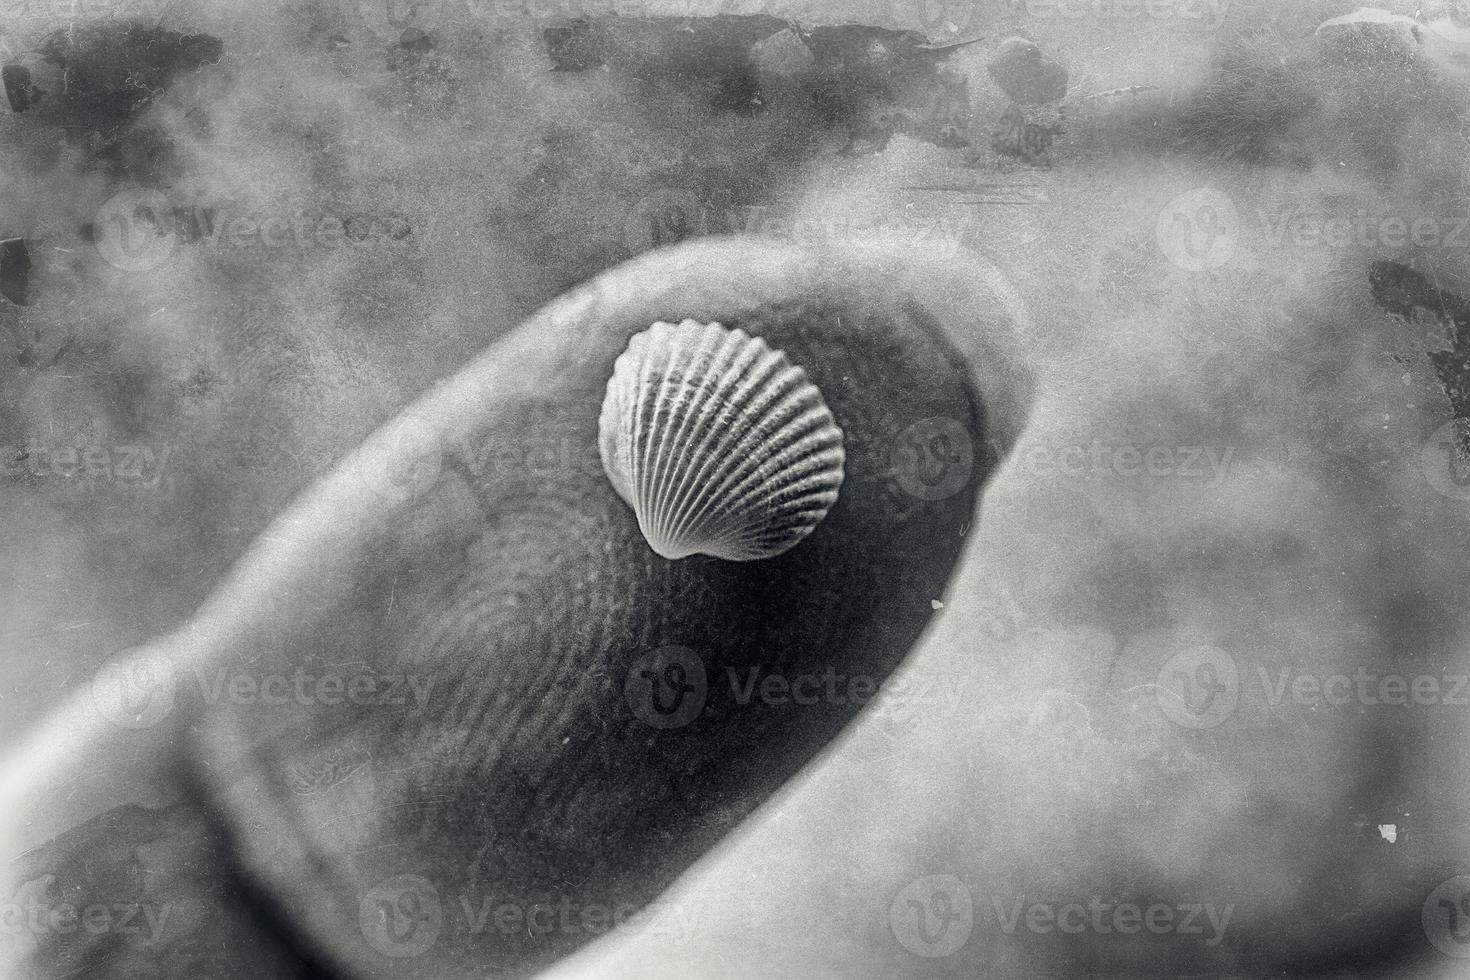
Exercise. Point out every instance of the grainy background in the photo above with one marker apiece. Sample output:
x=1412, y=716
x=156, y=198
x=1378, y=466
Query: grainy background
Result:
x=487, y=185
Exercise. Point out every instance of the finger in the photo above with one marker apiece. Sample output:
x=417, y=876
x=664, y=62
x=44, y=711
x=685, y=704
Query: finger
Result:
x=526, y=794
x=532, y=846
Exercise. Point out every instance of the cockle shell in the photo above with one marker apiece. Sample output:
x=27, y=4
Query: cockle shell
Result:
x=720, y=444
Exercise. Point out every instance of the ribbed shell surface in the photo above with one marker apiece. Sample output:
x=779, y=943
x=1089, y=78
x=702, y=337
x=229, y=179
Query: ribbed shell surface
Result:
x=720, y=444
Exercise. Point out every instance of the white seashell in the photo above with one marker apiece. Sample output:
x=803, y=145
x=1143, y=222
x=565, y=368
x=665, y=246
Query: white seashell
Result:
x=721, y=445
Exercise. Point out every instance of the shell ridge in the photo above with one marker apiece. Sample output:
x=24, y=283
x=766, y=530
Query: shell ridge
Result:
x=739, y=485
x=732, y=450
x=637, y=446
x=712, y=419
x=719, y=443
x=624, y=406
x=651, y=453
x=715, y=450
x=742, y=464
x=714, y=346
x=688, y=357
x=799, y=490
x=794, y=486
x=717, y=460
x=633, y=432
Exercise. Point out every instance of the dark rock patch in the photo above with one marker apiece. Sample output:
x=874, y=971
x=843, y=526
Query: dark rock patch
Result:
x=20, y=87
x=94, y=81
x=1401, y=290
x=15, y=271
x=1025, y=74
x=113, y=71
